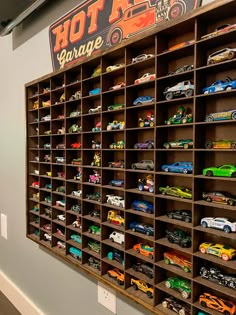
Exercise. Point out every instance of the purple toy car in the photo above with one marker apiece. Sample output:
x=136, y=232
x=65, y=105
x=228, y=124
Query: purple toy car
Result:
x=149, y=144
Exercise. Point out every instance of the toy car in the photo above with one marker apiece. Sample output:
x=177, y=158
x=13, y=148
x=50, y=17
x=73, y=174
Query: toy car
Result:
x=179, y=237
x=94, y=196
x=61, y=244
x=178, y=167
x=176, y=306
x=95, y=110
x=179, y=284
x=94, y=246
x=180, y=117
x=117, y=237
x=115, y=67
x=47, y=227
x=218, y=304
x=61, y=217
x=95, y=263
x=117, y=164
x=115, y=125
x=220, y=30
x=180, y=45
x=147, y=121
x=47, y=132
x=35, y=184
x=46, y=103
x=143, y=165
x=220, y=85
x=226, y=170
x=49, y=174
x=48, y=186
x=61, y=116
x=116, y=255
x=95, y=213
x=144, y=100
x=219, y=197
x=115, y=106
x=36, y=105
x=181, y=69
x=183, y=215
x=76, y=145
x=117, y=275
x=97, y=127
x=225, y=115
x=220, y=223
x=95, y=178
x=75, y=253
x=173, y=258
x=61, y=232
x=145, y=77
x=76, y=193
x=143, y=206
x=176, y=191
x=76, y=161
x=223, y=251
x=142, y=286
x=47, y=237
x=117, y=145
x=117, y=86
x=142, y=228
x=184, y=88
x=146, y=184
x=74, y=128
x=61, y=174
x=221, y=144
x=60, y=203
x=146, y=269
x=47, y=199
x=96, y=144
x=77, y=238
x=61, y=146
x=142, y=57
x=75, y=113
x=148, y=144
x=76, y=208
x=46, y=118
x=179, y=144
x=221, y=55
x=116, y=182
x=94, y=229
x=95, y=91
x=77, y=223
x=47, y=146
x=60, y=159
x=61, y=189
x=97, y=71
x=117, y=201
x=75, y=96
x=144, y=250
x=216, y=275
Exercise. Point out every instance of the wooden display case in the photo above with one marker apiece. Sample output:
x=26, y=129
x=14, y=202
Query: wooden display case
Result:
x=60, y=213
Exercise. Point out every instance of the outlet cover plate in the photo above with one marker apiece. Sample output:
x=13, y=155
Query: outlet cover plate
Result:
x=107, y=297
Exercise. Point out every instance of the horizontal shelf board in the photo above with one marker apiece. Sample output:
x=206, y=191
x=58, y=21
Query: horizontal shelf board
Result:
x=91, y=252
x=214, y=205
x=45, y=189
x=174, y=198
x=138, y=128
x=58, y=208
x=141, y=296
x=137, y=255
x=113, y=244
x=112, y=206
x=221, y=94
x=174, y=269
x=230, y=263
x=60, y=237
x=59, y=222
x=141, y=64
x=137, y=191
x=33, y=237
x=45, y=203
x=73, y=181
x=93, y=236
x=46, y=243
x=58, y=193
x=233, y=179
x=175, y=126
x=36, y=225
x=163, y=241
x=140, y=213
x=212, y=285
x=74, y=228
x=165, y=218
x=73, y=260
x=73, y=212
x=161, y=286
x=177, y=76
x=217, y=67
x=140, y=275
x=73, y=197
x=44, y=216
x=113, y=263
x=94, y=219
x=114, y=169
x=113, y=187
x=176, y=100
x=139, y=171
x=138, y=234
x=179, y=52
x=33, y=199
x=216, y=232
x=174, y=174
x=114, y=226
x=34, y=212
x=219, y=122
x=91, y=184
x=179, y=150
x=62, y=251
x=73, y=243
x=92, y=201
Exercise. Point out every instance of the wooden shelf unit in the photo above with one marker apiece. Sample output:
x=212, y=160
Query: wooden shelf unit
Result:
x=78, y=77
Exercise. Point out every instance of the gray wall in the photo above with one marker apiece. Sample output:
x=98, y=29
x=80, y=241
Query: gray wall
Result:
x=54, y=287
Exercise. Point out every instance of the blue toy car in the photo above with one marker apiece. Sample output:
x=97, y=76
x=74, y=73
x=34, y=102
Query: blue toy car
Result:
x=178, y=167
x=116, y=255
x=143, y=206
x=76, y=238
x=220, y=85
x=143, y=100
x=117, y=182
x=95, y=91
x=142, y=228
x=75, y=252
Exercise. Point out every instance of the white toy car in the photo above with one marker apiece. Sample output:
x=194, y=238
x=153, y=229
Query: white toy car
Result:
x=142, y=57
x=46, y=118
x=219, y=223
x=95, y=110
x=184, y=88
x=117, y=237
x=146, y=77
x=61, y=244
x=60, y=159
x=47, y=237
x=77, y=224
x=77, y=193
x=115, y=201
x=115, y=67
x=61, y=217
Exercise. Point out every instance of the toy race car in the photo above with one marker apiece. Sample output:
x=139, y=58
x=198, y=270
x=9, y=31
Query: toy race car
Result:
x=147, y=121
x=141, y=228
x=176, y=191
x=179, y=144
x=117, y=164
x=182, y=215
x=148, y=144
x=225, y=115
x=143, y=165
x=145, y=77
x=219, y=197
x=179, y=284
x=144, y=100
x=142, y=286
x=220, y=223
x=146, y=184
x=95, y=110
x=144, y=250
x=225, y=252
x=117, y=86
x=221, y=55
x=143, y=206
x=116, y=125
x=216, y=275
x=174, y=258
x=181, y=69
x=216, y=303
x=184, y=88
x=180, y=117
x=225, y=170
x=220, y=85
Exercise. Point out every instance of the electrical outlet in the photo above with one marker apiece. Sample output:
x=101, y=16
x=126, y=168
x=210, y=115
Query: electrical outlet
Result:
x=107, y=297
x=4, y=226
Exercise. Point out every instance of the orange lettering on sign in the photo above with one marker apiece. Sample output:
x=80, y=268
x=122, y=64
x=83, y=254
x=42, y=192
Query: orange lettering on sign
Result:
x=61, y=34
x=116, y=6
x=93, y=13
x=79, y=20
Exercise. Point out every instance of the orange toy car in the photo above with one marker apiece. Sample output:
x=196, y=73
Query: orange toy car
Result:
x=144, y=249
x=116, y=274
x=218, y=304
x=173, y=258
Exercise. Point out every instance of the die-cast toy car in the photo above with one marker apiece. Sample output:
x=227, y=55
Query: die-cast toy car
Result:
x=142, y=100
x=142, y=57
x=179, y=237
x=117, y=86
x=226, y=170
x=183, y=215
x=144, y=249
x=143, y=206
x=220, y=85
x=142, y=286
x=143, y=165
x=176, y=306
x=176, y=191
x=142, y=228
x=145, y=77
x=220, y=250
x=221, y=144
x=184, y=88
x=117, y=164
x=148, y=144
x=219, y=197
x=220, y=223
x=221, y=55
x=115, y=67
x=179, y=284
x=216, y=303
x=174, y=258
x=95, y=91
x=181, y=69
x=178, y=167
x=225, y=115
x=218, y=276
x=179, y=144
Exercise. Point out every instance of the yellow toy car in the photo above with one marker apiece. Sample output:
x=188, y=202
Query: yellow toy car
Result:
x=115, y=218
x=223, y=251
x=49, y=174
x=142, y=286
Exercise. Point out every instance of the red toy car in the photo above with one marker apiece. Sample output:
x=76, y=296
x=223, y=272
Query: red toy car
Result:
x=76, y=145
x=35, y=184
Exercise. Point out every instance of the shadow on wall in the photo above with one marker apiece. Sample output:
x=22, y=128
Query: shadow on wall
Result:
x=41, y=19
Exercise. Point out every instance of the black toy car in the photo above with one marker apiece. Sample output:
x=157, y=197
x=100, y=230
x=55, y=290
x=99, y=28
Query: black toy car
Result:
x=179, y=237
x=176, y=306
x=95, y=196
x=181, y=69
x=183, y=215
x=95, y=213
x=95, y=263
x=215, y=275
x=144, y=268
x=76, y=208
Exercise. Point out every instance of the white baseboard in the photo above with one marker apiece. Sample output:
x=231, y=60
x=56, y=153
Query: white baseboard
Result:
x=23, y=304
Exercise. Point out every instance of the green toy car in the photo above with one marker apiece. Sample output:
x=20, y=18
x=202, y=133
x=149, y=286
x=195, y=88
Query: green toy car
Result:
x=94, y=246
x=179, y=284
x=176, y=191
x=115, y=106
x=179, y=144
x=226, y=170
x=94, y=229
x=180, y=117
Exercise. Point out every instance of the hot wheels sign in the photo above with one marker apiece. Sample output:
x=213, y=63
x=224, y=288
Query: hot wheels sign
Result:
x=99, y=24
